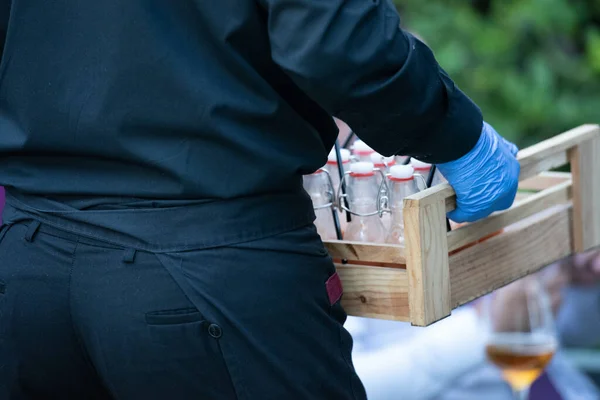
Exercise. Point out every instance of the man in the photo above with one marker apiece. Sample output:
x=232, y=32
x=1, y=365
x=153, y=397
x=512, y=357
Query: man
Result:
x=157, y=240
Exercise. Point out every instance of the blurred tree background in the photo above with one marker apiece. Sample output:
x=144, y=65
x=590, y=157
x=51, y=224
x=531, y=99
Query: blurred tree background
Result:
x=533, y=66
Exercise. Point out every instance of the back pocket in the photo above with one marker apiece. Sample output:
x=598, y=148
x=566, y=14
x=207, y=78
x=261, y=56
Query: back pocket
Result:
x=182, y=339
x=174, y=317
x=170, y=329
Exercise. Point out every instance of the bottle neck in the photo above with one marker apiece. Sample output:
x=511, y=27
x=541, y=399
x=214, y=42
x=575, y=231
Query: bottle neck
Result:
x=399, y=190
x=363, y=194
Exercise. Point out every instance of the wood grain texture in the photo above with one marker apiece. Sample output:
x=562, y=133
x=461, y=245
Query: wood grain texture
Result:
x=431, y=195
x=380, y=293
x=551, y=153
x=533, y=204
x=427, y=261
x=544, y=180
x=367, y=252
x=532, y=166
x=522, y=196
x=441, y=192
x=561, y=142
x=585, y=167
x=521, y=250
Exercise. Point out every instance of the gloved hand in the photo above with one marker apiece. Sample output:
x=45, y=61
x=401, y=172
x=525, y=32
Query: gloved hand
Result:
x=485, y=179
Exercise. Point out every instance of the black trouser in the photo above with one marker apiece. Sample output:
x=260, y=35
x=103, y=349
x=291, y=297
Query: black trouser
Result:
x=81, y=319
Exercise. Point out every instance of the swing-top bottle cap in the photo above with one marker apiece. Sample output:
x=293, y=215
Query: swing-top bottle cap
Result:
x=362, y=168
x=401, y=173
x=362, y=148
x=380, y=161
x=420, y=165
x=332, y=158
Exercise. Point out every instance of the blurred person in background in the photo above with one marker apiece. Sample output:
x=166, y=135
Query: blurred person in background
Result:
x=447, y=361
x=157, y=240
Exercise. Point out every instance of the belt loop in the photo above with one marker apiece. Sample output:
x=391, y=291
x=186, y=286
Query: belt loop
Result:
x=129, y=256
x=32, y=230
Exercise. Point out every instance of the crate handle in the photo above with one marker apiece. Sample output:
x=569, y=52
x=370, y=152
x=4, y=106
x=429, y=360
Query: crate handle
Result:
x=541, y=157
x=428, y=244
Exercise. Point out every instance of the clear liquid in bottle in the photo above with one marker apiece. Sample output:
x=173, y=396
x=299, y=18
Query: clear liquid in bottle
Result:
x=363, y=194
x=401, y=184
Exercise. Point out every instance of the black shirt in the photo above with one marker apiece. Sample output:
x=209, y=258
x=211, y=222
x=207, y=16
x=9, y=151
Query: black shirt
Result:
x=211, y=100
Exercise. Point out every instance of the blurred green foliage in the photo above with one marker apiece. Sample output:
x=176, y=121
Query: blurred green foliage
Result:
x=533, y=66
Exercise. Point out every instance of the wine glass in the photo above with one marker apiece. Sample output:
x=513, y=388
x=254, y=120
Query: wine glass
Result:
x=522, y=336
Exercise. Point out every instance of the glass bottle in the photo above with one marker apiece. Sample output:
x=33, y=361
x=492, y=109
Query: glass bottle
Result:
x=423, y=169
x=319, y=187
x=401, y=184
x=363, y=194
x=362, y=151
x=400, y=160
x=383, y=163
x=334, y=173
x=332, y=167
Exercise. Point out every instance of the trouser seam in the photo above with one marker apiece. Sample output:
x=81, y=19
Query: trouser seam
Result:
x=74, y=330
x=184, y=284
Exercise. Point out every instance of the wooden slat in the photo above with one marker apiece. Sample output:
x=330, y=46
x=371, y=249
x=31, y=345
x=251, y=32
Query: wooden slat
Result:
x=382, y=293
x=546, y=155
x=578, y=206
x=432, y=195
x=442, y=191
x=375, y=292
x=367, y=252
x=521, y=250
x=585, y=167
x=534, y=176
x=549, y=153
x=534, y=204
x=532, y=166
x=544, y=180
x=562, y=142
x=427, y=260
x=522, y=196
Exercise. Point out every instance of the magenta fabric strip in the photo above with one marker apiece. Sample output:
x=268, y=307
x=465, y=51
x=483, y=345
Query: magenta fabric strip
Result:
x=334, y=288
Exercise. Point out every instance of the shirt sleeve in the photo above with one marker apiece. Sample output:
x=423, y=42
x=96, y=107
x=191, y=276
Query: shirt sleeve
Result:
x=352, y=57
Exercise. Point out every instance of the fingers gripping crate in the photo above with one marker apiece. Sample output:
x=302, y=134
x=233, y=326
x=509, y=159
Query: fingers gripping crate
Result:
x=438, y=271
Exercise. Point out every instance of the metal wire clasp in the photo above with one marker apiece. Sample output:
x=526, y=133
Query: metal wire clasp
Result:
x=330, y=192
x=382, y=197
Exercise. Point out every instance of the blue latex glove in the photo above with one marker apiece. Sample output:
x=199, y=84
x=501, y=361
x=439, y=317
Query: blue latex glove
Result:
x=485, y=179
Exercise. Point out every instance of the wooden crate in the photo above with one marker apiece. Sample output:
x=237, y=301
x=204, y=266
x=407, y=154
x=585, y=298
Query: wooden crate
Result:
x=435, y=273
